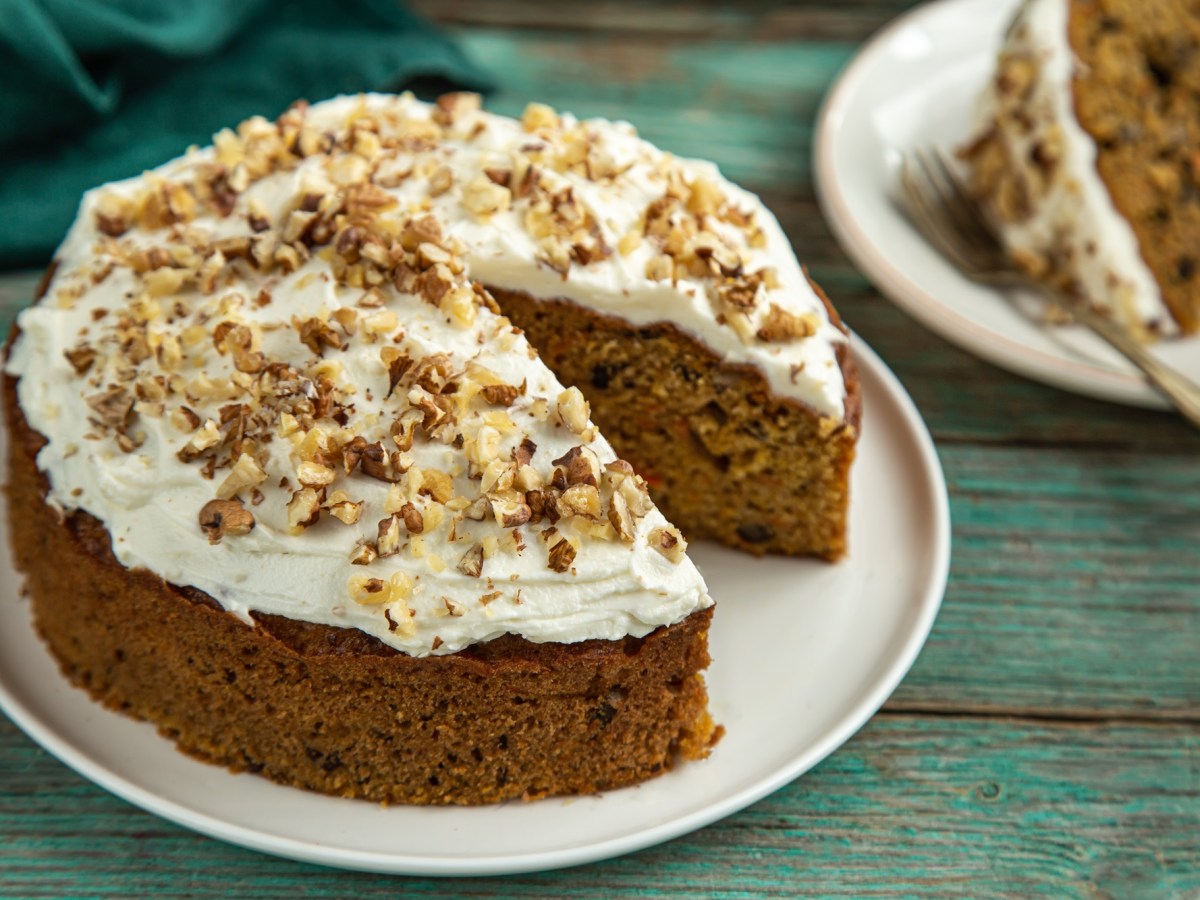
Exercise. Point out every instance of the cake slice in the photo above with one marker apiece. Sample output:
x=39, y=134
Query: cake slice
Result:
x=1086, y=155
x=300, y=489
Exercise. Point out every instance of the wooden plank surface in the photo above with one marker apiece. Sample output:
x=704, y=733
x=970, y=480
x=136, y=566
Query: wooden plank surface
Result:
x=913, y=805
x=1047, y=742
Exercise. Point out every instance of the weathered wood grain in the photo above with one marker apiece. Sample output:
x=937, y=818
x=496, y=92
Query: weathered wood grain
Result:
x=1072, y=589
x=911, y=806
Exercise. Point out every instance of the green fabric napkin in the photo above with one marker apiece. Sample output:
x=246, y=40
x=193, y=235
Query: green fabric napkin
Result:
x=96, y=90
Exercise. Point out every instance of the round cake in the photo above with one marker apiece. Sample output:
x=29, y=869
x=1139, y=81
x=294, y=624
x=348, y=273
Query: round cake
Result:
x=1086, y=155
x=294, y=484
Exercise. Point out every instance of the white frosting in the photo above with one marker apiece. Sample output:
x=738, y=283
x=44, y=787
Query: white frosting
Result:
x=502, y=254
x=149, y=499
x=1073, y=213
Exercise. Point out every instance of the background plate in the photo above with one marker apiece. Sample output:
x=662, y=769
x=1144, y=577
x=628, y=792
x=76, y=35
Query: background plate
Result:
x=917, y=83
x=804, y=653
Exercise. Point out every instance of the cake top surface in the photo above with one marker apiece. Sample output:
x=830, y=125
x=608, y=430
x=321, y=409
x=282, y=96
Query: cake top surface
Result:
x=271, y=368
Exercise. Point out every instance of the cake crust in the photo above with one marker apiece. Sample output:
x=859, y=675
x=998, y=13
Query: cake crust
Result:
x=337, y=711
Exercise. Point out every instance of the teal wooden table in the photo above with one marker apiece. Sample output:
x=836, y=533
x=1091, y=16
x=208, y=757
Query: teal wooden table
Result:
x=1047, y=743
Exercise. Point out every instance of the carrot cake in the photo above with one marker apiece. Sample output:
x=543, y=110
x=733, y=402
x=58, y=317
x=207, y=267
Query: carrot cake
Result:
x=1086, y=155
x=293, y=483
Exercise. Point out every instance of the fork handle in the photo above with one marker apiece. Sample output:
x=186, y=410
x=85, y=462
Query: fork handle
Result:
x=1174, y=385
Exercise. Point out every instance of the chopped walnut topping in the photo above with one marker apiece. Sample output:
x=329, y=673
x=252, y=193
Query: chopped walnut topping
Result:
x=377, y=463
x=539, y=116
x=389, y=539
x=113, y=407
x=114, y=214
x=523, y=454
x=369, y=590
x=555, y=254
x=315, y=475
x=246, y=473
x=437, y=484
x=207, y=436
x=561, y=555
x=453, y=107
x=363, y=554
x=705, y=198
x=500, y=394
x=471, y=563
x=421, y=230
x=225, y=518
x=660, y=268
x=582, y=466
x=573, y=410
x=398, y=364
x=440, y=181
x=303, y=510
x=317, y=336
x=620, y=517
x=81, y=358
x=347, y=511
x=669, y=542
x=527, y=478
x=580, y=500
x=483, y=197
x=511, y=511
x=413, y=520
x=478, y=510
x=781, y=325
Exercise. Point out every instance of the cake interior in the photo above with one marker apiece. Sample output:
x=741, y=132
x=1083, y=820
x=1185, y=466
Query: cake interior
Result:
x=1137, y=93
x=725, y=459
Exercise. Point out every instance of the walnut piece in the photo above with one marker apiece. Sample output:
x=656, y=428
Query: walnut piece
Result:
x=81, y=358
x=413, y=520
x=780, y=325
x=303, y=509
x=562, y=554
x=221, y=518
x=472, y=562
x=388, y=530
x=669, y=542
x=573, y=410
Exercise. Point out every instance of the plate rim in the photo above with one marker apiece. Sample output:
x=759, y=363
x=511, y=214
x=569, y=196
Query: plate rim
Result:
x=880, y=688
x=1065, y=373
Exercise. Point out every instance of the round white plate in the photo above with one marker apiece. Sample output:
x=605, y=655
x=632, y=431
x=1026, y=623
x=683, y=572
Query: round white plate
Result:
x=914, y=84
x=804, y=653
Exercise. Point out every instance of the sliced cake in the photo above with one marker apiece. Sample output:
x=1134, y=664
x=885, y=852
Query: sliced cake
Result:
x=1086, y=155
x=297, y=489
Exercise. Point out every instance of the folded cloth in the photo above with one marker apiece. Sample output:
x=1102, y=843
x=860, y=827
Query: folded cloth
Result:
x=97, y=90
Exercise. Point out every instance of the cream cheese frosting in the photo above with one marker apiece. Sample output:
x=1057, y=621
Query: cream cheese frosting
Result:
x=271, y=370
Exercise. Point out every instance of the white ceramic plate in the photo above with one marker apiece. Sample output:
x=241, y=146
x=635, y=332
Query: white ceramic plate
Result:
x=916, y=83
x=804, y=653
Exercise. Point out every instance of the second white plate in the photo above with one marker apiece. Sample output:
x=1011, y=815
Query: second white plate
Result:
x=914, y=84
x=804, y=653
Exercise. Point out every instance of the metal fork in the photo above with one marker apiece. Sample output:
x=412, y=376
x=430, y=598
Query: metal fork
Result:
x=953, y=222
